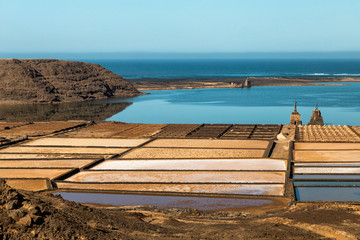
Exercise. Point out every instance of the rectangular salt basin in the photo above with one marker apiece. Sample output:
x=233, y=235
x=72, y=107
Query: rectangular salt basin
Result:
x=193, y=153
x=28, y=184
x=178, y=177
x=32, y=173
x=329, y=146
x=44, y=163
x=207, y=143
x=241, y=189
x=87, y=142
x=193, y=164
x=328, y=164
x=347, y=194
x=200, y=203
x=49, y=156
x=327, y=156
x=77, y=150
x=327, y=183
x=322, y=177
x=307, y=170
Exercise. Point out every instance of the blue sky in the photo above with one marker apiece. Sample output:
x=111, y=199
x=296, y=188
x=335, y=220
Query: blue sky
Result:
x=179, y=25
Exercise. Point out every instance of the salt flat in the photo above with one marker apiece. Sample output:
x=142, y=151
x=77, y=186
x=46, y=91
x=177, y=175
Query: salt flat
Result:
x=194, y=164
x=87, y=142
x=178, y=177
x=207, y=143
x=76, y=150
x=331, y=146
x=242, y=189
x=327, y=156
x=44, y=163
x=32, y=173
x=193, y=153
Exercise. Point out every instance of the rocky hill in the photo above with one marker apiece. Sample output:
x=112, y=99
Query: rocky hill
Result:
x=50, y=80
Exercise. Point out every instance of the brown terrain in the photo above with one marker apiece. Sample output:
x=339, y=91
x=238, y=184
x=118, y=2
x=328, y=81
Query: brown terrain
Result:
x=51, y=81
x=187, y=83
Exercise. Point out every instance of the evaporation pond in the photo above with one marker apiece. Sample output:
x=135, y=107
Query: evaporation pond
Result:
x=326, y=176
x=193, y=164
x=327, y=183
x=348, y=194
x=325, y=170
x=201, y=203
x=86, y=142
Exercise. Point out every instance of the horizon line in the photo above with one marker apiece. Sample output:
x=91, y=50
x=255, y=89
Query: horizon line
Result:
x=182, y=55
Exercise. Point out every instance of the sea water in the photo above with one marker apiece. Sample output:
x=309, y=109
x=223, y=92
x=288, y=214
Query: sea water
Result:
x=228, y=68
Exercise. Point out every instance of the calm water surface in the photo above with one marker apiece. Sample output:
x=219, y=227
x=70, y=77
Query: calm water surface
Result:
x=201, y=203
x=348, y=194
x=339, y=105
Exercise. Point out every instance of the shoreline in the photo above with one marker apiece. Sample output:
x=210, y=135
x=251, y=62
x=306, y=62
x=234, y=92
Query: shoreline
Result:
x=146, y=84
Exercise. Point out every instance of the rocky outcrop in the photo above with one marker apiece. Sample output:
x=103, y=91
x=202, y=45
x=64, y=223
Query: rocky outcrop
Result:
x=49, y=81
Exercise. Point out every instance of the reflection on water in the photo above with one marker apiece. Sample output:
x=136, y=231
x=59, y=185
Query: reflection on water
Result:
x=348, y=194
x=201, y=203
x=90, y=110
x=339, y=104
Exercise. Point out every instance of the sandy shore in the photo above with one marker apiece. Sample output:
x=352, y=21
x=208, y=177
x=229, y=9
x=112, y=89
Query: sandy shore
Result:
x=190, y=83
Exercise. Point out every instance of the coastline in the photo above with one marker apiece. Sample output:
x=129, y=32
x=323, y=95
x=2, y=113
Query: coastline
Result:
x=192, y=83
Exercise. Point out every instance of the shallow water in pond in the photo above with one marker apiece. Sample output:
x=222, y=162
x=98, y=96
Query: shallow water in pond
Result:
x=201, y=203
x=327, y=183
x=324, y=176
x=328, y=164
x=348, y=194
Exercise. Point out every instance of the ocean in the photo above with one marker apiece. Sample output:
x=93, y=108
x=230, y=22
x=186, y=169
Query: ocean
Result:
x=227, y=68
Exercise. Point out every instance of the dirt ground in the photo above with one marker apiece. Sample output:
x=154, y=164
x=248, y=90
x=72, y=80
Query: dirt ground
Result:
x=28, y=215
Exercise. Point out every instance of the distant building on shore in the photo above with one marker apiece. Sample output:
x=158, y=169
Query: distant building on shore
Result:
x=295, y=118
x=316, y=118
x=247, y=83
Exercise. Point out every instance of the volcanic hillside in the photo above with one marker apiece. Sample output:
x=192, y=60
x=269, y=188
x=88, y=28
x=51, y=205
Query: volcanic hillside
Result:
x=50, y=80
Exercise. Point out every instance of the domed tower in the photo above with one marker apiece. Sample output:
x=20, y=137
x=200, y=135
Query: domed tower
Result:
x=316, y=118
x=295, y=118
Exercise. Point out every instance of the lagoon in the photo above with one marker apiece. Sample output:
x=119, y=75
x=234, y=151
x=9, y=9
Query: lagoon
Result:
x=339, y=105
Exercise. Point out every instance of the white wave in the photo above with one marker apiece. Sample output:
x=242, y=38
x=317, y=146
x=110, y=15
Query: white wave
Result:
x=316, y=74
x=347, y=74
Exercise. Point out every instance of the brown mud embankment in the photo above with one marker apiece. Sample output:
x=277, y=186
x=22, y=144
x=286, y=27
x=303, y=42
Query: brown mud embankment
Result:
x=188, y=83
